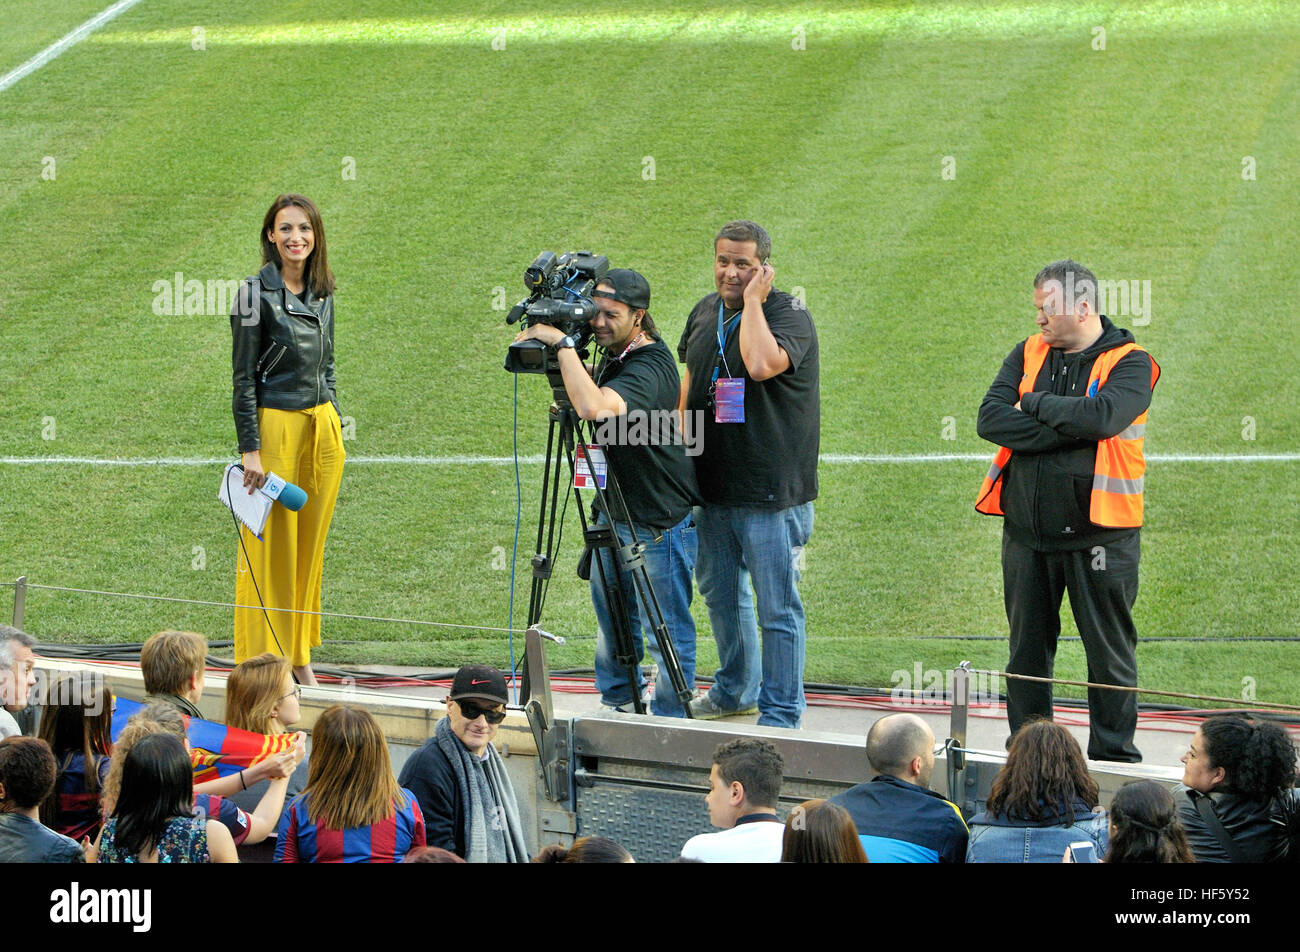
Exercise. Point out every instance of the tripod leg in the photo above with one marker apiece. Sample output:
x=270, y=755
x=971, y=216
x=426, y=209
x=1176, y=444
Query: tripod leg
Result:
x=543, y=559
x=613, y=611
x=683, y=691
x=609, y=578
x=630, y=559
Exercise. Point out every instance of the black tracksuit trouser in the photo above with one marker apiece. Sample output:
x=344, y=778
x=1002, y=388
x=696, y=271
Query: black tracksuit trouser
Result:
x=1103, y=583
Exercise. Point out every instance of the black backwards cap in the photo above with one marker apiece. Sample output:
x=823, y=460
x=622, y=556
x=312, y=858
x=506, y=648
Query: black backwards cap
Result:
x=629, y=287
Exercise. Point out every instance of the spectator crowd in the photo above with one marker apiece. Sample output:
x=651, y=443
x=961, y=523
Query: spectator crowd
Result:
x=77, y=794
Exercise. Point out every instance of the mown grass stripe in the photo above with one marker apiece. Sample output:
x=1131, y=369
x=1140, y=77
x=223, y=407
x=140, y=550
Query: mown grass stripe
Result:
x=70, y=40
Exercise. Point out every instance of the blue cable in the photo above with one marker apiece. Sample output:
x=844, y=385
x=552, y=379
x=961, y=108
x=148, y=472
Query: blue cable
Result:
x=514, y=551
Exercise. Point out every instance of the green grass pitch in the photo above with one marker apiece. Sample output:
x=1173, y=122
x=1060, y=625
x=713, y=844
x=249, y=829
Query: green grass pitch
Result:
x=915, y=166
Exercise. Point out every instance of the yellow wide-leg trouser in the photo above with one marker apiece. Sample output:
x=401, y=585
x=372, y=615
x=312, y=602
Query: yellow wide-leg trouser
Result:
x=304, y=447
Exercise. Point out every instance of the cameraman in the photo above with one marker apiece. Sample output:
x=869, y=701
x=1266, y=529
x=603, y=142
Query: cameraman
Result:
x=632, y=394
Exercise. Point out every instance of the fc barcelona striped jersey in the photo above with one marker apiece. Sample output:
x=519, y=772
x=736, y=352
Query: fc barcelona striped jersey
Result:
x=388, y=841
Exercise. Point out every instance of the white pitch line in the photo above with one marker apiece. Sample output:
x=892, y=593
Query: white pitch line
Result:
x=95, y=461
x=223, y=460
x=1226, y=458
x=904, y=457
x=73, y=38
x=832, y=458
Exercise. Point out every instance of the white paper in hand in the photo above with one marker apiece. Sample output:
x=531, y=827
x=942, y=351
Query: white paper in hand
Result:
x=251, y=510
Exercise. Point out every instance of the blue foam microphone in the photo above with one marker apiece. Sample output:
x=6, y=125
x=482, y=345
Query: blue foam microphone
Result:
x=286, y=494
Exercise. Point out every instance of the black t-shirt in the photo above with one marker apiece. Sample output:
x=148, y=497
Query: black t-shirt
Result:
x=770, y=460
x=645, y=446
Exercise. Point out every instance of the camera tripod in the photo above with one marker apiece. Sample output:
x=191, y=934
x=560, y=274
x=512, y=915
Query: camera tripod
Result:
x=568, y=426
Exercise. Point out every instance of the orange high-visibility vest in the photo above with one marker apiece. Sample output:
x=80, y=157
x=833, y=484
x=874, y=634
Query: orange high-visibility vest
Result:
x=1120, y=469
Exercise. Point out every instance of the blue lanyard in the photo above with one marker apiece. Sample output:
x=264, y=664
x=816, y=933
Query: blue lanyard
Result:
x=724, y=337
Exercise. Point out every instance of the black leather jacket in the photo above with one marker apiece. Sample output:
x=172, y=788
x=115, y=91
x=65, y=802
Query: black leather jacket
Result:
x=283, y=354
x=1261, y=831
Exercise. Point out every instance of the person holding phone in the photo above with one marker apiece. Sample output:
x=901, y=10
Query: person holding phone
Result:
x=1042, y=801
x=1081, y=852
x=752, y=379
x=288, y=421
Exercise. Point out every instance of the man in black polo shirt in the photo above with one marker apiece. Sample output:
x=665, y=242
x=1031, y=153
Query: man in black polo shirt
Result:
x=752, y=370
x=633, y=394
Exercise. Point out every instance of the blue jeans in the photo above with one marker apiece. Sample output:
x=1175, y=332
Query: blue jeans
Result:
x=740, y=547
x=669, y=563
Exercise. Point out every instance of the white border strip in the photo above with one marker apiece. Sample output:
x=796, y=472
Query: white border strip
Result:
x=73, y=38
x=536, y=459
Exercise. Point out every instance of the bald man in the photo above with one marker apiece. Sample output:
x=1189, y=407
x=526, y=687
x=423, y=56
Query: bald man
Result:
x=899, y=818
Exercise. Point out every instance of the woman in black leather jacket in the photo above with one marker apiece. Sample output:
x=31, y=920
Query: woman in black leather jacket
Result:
x=288, y=422
x=1240, y=802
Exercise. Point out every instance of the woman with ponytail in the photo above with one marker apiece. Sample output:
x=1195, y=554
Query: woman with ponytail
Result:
x=1239, y=805
x=1144, y=826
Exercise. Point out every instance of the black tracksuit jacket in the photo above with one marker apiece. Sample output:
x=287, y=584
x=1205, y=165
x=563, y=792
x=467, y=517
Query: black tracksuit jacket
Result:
x=1047, y=483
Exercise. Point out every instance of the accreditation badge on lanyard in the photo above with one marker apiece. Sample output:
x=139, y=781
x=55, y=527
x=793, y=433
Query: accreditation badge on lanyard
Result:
x=726, y=394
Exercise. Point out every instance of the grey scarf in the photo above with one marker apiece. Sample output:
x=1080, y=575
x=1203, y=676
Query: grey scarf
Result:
x=493, y=831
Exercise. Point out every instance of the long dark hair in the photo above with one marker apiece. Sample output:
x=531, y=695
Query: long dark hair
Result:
x=157, y=784
x=1146, y=825
x=818, y=831
x=1258, y=757
x=648, y=325
x=1044, y=773
x=317, y=271
x=585, y=849
x=77, y=719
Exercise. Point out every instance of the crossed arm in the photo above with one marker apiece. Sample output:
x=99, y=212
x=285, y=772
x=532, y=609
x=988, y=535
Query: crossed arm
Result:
x=1043, y=422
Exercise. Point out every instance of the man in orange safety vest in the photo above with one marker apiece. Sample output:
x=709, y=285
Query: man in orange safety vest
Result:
x=1068, y=410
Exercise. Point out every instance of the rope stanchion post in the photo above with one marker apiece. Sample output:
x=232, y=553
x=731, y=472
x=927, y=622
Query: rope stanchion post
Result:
x=536, y=681
x=20, y=601
x=958, y=716
x=549, y=735
x=960, y=712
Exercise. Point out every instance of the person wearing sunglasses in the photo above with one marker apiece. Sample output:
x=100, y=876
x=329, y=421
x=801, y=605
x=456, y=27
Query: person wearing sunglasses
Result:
x=459, y=779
